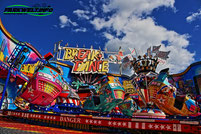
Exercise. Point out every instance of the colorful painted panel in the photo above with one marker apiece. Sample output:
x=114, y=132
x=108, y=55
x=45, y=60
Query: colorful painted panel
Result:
x=189, y=81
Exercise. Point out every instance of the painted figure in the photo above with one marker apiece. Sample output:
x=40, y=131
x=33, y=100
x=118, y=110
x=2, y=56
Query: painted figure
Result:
x=163, y=94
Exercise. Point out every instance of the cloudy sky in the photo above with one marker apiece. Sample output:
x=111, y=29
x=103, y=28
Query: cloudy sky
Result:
x=139, y=24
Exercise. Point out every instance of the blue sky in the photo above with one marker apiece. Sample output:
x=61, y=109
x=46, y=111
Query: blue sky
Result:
x=175, y=24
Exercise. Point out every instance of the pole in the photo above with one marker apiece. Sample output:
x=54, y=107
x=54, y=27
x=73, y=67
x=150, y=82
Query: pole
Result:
x=120, y=69
x=4, y=89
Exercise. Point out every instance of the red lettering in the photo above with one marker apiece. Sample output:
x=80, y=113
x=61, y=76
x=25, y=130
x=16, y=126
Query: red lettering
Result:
x=80, y=54
x=92, y=66
x=76, y=65
x=86, y=54
x=98, y=65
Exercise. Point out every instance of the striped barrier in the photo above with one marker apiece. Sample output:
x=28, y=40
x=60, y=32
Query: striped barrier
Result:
x=89, y=122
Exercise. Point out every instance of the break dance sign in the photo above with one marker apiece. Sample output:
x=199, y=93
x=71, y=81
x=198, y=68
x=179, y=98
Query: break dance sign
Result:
x=86, y=60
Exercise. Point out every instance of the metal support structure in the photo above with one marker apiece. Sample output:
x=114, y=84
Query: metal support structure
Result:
x=56, y=50
x=4, y=89
x=8, y=75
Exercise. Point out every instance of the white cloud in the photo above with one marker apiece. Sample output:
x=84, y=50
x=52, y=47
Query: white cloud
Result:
x=137, y=7
x=85, y=14
x=194, y=16
x=133, y=27
x=65, y=21
x=89, y=9
x=82, y=29
x=82, y=14
x=108, y=36
x=196, y=27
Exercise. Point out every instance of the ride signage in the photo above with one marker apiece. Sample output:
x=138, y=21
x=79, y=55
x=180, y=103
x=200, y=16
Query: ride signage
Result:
x=86, y=60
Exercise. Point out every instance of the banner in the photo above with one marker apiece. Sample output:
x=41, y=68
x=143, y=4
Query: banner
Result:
x=86, y=60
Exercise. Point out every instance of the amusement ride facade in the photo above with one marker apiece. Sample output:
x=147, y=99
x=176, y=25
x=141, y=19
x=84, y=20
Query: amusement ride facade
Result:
x=84, y=95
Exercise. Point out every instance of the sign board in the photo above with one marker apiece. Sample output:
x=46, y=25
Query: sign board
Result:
x=86, y=60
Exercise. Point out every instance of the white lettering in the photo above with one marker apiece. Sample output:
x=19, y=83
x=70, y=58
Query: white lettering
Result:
x=69, y=119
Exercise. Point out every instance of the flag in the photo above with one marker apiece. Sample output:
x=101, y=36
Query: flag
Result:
x=130, y=57
x=163, y=55
x=156, y=49
x=120, y=53
x=133, y=51
x=149, y=51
